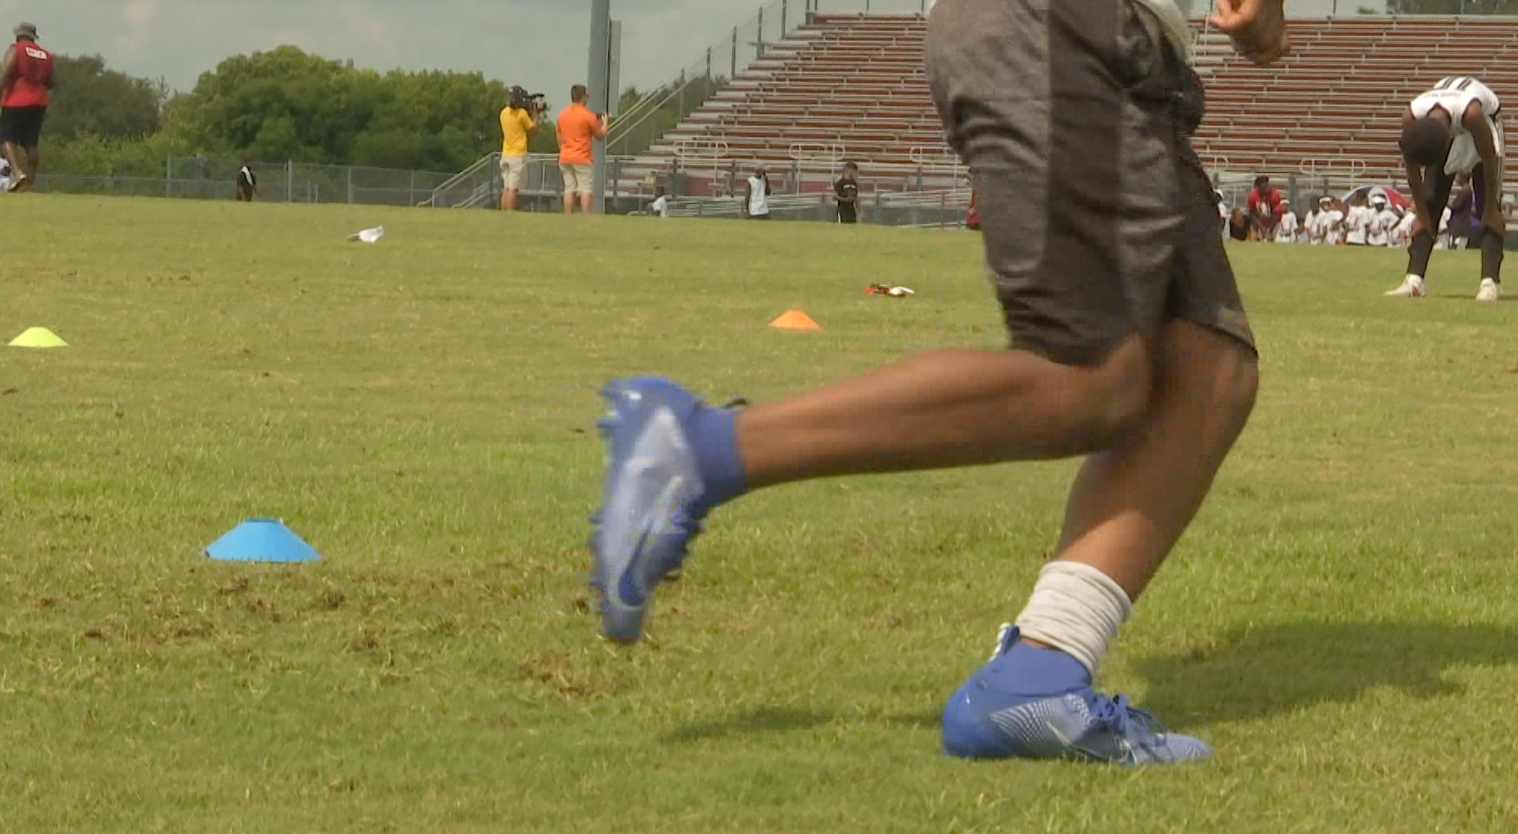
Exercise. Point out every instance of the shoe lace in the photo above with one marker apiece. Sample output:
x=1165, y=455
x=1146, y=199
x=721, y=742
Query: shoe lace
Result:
x=1001, y=639
x=1135, y=726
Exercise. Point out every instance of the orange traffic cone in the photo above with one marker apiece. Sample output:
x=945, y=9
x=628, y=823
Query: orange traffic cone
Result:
x=795, y=320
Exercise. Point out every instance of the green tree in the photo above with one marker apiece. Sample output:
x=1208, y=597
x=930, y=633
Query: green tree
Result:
x=96, y=156
x=281, y=104
x=287, y=104
x=91, y=100
x=433, y=121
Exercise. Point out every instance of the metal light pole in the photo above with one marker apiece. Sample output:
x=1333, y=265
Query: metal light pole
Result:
x=596, y=84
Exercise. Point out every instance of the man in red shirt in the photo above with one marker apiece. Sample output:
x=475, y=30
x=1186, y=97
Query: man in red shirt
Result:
x=26, y=76
x=1264, y=208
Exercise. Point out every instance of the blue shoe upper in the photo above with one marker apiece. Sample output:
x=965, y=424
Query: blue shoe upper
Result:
x=650, y=504
x=994, y=715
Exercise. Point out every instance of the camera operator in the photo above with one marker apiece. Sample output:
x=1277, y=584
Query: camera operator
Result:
x=519, y=119
x=578, y=130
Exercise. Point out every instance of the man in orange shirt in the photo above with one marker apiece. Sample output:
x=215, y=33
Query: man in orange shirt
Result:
x=578, y=129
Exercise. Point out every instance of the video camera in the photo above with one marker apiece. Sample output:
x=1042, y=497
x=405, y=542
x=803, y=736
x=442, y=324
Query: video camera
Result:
x=523, y=100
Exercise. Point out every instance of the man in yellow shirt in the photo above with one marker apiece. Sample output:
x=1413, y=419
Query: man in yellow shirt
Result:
x=518, y=121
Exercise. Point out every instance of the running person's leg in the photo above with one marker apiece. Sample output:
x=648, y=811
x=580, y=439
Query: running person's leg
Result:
x=12, y=124
x=1133, y=500
x=31, y=138
x=1088, y=273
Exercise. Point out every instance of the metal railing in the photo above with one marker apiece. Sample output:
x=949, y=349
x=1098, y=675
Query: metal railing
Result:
x=463, y=179
x=926, y=209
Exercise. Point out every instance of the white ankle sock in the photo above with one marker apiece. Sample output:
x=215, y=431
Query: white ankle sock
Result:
x=1077, y=609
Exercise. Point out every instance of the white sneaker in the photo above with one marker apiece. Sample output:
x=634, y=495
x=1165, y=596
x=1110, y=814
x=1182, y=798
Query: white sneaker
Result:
x=1412, y=287
x=1490, y=291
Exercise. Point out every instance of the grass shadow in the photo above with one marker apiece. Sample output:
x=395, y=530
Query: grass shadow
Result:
x=783, y=719
x=1262, y=672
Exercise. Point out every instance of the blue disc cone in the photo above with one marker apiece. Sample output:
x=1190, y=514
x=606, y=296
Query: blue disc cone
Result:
x=261, y=540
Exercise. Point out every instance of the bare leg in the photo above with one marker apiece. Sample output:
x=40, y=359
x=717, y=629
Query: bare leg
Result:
x=14, y=156
x=33, y=160
x=511, y=200
x=585, y=202
x=1130, y=504
x=569, y=202
x=945, y=409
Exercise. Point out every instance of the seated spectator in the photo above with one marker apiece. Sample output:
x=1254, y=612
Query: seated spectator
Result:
x=1324, y=228
x=1357, y=220
x=1240, y=227
x=1264, y=206
x=1465, y=215
x=1382, y=221
x=1402, y=233
x=1287, y=227
x=972, y=214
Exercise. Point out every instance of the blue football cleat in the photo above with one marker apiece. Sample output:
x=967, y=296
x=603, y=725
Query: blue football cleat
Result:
x=650, y=504
x=986, y=720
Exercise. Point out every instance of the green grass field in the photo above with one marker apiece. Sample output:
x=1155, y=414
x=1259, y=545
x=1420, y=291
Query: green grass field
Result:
x=1340, y=623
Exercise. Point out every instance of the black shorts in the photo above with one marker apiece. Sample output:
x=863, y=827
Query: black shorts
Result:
x=22, y=125
x=848, y=214
x=1100, y=222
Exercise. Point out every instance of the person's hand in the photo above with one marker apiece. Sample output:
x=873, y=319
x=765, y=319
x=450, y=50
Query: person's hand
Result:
x=1256, y=27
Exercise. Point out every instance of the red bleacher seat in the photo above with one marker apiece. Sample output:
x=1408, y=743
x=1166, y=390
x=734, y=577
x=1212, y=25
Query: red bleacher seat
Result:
x=854, y=87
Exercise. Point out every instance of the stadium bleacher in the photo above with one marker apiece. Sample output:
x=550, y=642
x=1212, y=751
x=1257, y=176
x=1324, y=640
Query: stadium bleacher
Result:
x=854, y=87
x=1335, y=105
x=841, y=87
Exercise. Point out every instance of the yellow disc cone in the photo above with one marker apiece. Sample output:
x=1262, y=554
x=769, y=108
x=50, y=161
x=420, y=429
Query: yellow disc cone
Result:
x=38, y=337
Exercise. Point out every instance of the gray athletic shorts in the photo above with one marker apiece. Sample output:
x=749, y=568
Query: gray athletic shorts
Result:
x=1099, y=220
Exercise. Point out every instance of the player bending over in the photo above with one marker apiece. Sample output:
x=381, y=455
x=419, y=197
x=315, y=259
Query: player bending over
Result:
x=1449, y=130
x=1130, y=348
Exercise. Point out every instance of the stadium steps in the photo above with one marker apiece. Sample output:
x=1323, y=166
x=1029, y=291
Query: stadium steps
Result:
x=853, y=87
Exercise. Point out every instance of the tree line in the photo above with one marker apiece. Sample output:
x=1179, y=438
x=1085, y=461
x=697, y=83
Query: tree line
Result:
x=283, y=104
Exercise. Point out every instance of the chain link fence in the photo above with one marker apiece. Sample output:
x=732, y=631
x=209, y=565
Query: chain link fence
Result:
x=214, y=178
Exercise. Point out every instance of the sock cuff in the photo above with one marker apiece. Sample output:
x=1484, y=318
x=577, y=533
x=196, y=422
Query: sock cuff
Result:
x=714, y=436
x=1076, y=609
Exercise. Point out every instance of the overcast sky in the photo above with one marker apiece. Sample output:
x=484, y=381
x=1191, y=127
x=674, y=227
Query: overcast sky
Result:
x=540, y=44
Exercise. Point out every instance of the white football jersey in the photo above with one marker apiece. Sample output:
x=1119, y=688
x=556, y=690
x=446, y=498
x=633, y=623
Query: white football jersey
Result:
x=1358, y=224
x=1453, y=95
x=1381, y=224
x=1286, y=232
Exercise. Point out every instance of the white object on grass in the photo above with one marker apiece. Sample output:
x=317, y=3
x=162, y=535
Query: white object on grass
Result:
x=368, y=235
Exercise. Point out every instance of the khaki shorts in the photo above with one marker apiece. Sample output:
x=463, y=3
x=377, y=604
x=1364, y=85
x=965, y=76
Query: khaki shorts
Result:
x=1099, y=220
x=577, y=178
x=513, y=169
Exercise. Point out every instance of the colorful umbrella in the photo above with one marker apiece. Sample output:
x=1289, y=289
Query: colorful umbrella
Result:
x=1393, y=197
